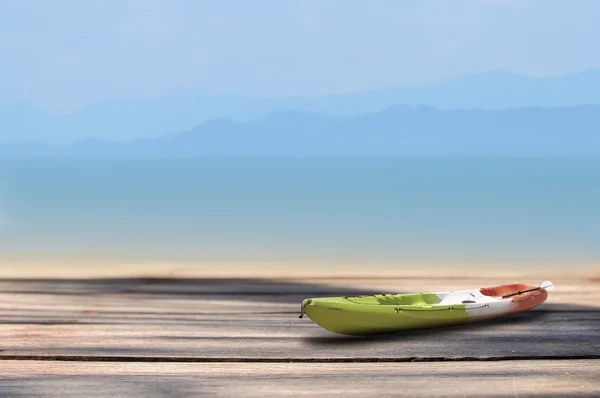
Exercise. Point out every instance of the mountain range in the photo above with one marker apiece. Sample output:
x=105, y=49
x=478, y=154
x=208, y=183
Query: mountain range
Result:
x=394, y=131
x=123, y=120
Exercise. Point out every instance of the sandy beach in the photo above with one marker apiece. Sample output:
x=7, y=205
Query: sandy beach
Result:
x=101, y=266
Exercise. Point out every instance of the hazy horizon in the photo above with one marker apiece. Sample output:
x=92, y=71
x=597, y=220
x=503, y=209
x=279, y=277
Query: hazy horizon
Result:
x=182, y=95
x=537, y=102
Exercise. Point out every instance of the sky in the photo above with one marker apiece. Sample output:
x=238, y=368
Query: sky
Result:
x=62, y=55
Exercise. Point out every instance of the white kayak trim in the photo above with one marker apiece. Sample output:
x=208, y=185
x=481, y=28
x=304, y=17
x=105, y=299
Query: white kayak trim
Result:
x=479, y=305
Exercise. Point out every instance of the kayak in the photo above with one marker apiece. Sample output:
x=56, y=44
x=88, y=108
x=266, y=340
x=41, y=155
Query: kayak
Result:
x=389, y=313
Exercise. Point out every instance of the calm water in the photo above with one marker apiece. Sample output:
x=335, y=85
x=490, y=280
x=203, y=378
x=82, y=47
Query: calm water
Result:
x=423, y=210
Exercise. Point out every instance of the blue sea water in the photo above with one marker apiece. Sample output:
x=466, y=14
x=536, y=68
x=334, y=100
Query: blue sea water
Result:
x=343, y=210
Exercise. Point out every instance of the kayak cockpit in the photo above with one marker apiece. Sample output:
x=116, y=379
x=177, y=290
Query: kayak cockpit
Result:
x=413, y=299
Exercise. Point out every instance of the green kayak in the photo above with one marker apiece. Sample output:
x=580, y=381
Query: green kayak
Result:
x=388, y=313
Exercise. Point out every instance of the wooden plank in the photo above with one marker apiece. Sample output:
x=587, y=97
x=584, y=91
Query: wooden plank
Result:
x=259, y=285
x=582, y=292
x=285, y=336
x=241, y=318
x=490, y=379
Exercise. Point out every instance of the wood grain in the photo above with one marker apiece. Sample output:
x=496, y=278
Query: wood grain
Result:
x=496, y=379
x=130, y=336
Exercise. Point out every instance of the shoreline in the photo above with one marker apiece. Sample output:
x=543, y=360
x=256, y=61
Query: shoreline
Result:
x=292, y=271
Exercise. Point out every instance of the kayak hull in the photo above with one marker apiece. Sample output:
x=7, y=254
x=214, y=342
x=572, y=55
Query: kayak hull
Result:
x=355, y=322
x=387, y=313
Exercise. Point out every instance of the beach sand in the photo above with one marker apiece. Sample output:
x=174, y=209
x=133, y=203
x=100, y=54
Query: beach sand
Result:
x=89, y=266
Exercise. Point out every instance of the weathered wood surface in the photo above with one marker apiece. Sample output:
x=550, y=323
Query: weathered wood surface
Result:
x=277, y=336
x=493, y=379
x=122, y=324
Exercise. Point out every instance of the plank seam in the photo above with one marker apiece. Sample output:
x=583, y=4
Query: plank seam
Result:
x=113, y=358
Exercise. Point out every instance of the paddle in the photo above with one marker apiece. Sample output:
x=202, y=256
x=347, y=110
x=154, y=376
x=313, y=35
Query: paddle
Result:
x=546, y=285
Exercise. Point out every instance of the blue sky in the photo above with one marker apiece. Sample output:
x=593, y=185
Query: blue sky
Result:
x=61, y=55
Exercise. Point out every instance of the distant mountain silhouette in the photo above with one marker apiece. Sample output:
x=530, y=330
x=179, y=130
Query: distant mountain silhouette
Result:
x=396, y=131
x=125, y=120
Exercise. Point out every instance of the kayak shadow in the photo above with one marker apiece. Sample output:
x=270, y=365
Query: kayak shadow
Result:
x=245, y=289
x=522, y=319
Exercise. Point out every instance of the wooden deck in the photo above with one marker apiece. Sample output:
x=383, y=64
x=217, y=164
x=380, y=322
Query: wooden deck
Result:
x=242, y=337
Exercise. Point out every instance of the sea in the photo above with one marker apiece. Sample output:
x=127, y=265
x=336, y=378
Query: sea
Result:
x=289, y=211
